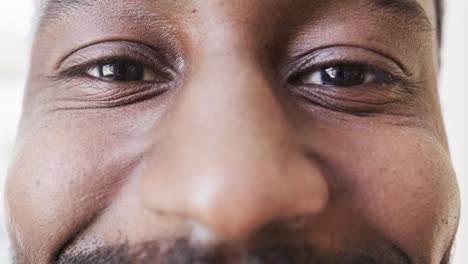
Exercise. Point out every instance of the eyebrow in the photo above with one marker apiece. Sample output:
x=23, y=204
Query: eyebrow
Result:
x=411, y=10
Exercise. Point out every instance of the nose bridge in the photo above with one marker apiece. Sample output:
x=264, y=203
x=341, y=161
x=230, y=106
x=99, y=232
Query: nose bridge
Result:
x=225, y=156
x=235, y=99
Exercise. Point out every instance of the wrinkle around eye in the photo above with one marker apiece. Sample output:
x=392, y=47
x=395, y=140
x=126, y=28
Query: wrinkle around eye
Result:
x=89, y=94
x=358, y=101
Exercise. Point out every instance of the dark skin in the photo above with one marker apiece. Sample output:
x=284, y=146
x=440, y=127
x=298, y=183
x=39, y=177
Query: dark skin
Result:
x=233, y=132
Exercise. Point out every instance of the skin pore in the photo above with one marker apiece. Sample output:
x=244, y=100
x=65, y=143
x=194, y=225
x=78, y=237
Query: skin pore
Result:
x=241, y=131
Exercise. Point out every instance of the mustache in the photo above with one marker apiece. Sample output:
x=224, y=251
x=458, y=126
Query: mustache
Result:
x=183, y=252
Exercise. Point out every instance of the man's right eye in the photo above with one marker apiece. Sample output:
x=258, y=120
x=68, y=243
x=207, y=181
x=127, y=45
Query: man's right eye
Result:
x=124, y=72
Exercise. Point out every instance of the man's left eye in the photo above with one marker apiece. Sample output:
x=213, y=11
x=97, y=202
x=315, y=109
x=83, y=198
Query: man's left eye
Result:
x=123, y=72
x=339, y=76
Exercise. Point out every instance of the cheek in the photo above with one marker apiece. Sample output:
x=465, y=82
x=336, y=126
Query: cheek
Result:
x=63, y=174
x=400, y=180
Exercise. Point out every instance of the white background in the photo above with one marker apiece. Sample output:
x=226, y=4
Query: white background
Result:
x=15, y=18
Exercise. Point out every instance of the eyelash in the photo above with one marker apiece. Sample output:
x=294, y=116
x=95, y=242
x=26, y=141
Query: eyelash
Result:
x=82, y=69
x=382, y=77
x=395, y=80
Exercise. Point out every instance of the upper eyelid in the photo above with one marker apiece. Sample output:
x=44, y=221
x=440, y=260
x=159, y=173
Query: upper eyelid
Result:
x=126, y=51
x=112, y=45
x=356, y=48
x=145, y=55
x=381, y=76
x=81, y=61
x=346, y=54
x=385, y=69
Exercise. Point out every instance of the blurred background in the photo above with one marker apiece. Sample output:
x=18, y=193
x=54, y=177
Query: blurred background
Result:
x=15, y=39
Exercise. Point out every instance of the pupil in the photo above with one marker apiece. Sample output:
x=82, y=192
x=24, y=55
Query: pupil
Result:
x=121, y=72
x=343, y=76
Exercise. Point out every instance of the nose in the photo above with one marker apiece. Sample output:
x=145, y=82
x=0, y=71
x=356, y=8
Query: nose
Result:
x=225, y=155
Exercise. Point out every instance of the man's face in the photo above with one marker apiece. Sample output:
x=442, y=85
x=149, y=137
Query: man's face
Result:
x=233, y=132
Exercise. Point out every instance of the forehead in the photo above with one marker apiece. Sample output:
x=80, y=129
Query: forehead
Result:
x=420, y=11
x=409, y=18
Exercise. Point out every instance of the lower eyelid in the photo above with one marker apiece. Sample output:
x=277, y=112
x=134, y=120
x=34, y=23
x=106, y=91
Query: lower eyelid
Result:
x=92, y=94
